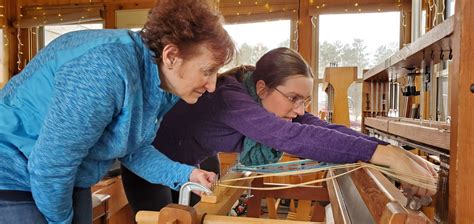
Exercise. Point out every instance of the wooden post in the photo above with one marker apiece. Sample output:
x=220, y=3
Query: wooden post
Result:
x=304, y=31
x=461, y=173
x=10, y=31
x=306, y=45
x=340, y=78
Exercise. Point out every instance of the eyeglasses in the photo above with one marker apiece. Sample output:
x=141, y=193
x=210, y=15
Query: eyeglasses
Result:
x=295, y=100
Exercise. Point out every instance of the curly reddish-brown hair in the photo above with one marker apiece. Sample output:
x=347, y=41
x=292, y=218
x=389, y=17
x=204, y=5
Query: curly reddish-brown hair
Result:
x=187, y=24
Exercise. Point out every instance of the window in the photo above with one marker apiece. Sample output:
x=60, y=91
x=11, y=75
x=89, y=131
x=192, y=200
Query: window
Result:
x=363, y=40
x=255, y=39
x=54, y=31
x=353, y=40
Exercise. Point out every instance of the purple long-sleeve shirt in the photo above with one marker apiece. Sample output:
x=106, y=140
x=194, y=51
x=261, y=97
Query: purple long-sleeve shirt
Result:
x=219, y=122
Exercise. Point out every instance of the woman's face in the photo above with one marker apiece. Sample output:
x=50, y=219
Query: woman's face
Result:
x=191, y=77
x=289, y=99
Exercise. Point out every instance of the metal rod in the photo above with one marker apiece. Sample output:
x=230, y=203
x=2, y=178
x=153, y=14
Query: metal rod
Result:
x=185, y=192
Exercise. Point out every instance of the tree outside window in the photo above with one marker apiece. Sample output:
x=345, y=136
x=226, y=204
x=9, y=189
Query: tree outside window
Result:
x=255, y=39
x=363, y=40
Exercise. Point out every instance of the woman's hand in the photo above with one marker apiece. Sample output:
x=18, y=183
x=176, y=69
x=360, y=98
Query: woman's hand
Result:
x=405, y=162
x=203, y=177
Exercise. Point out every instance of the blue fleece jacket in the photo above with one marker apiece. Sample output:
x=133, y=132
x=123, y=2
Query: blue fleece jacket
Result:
x=88, y=98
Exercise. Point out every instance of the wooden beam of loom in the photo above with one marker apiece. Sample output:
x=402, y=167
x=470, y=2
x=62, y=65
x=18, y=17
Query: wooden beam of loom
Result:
x=375, y=199
x=305, y=195
x=180, y=214
x=223, y=198
x=430, y=133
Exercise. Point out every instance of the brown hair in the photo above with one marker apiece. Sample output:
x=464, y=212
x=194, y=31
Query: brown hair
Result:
x=187, y=24
x=274, y=67
x=279, y=64
x=238, y=72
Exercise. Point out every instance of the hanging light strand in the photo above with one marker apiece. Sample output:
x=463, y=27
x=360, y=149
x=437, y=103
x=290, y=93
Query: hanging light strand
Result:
x=3, y=22
x=438, y=12
x=19, y=46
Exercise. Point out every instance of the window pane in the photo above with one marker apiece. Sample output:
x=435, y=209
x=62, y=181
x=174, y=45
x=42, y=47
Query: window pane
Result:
x=255, y=39
x=362, y=40
x=52, y=32
x=354, y=97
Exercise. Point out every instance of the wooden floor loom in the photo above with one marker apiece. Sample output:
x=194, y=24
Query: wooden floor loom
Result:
x=357, y=195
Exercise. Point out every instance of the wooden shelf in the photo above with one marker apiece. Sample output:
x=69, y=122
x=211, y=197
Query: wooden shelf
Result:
x=437, y=135
x=436, y=40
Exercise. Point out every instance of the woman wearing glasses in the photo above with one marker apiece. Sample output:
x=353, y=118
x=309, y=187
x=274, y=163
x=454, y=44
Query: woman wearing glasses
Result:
x=260, y=112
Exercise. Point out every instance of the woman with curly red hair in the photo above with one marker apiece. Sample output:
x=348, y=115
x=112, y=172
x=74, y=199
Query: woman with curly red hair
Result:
x=91, y=97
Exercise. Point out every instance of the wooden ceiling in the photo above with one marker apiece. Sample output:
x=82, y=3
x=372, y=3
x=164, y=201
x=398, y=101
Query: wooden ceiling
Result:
x=239, y=9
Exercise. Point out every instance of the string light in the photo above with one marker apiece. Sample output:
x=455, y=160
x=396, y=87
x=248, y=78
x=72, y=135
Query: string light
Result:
x=314, y=21
x=266, y=5
x=3, y=21
x=438, y=12
x=20, y=53
x=356, y=6
x=41, y=17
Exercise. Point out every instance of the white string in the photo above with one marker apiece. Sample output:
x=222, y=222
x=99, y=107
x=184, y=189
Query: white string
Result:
x=414, y=179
